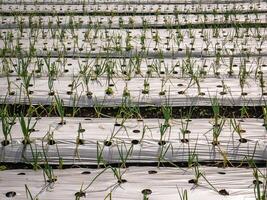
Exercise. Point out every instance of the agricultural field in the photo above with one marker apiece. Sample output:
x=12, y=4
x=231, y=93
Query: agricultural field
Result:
x=133, y=99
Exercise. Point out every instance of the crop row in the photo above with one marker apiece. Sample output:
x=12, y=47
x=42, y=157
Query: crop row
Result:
x=219, y=34
x=111, y=48
x=106, y=141
x=77, y=2
x=135, y=8
x=137, y=21
x=136, y=67
x=83, y=91
x=212, y=40
x=175, y=59
x=134, y=182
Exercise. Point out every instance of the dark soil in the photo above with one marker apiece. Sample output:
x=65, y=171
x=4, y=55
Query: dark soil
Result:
x=141, y=112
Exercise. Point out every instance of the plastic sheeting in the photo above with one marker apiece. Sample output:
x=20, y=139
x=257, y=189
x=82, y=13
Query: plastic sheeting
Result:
x=172, y=68
x=162, y=183
x=121, y=7
x=177, y=92
x=136, y=142
x=129, y=1
x=152, y=21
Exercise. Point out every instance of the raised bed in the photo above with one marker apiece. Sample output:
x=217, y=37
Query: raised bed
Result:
x=208, y=67
x=174, y=92
x=118, y=61
x=151, y=182
x=122, y=8
x=137, y=141
x=138, y=21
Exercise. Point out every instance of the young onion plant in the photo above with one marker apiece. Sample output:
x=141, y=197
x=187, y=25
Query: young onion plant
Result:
x=59, y=104
x=167, y=114
x=218, y=121
x=27, y=127
x=7, y=123
x=79, y=140
x=237, y=128
x=260, y=180
x=48, y=174
x=265, y=117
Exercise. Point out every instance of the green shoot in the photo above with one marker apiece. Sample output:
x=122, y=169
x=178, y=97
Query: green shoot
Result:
x=26, y=128
x=59, y=104
x=7, y=123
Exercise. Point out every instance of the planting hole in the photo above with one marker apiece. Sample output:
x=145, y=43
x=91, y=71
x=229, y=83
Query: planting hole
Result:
x=5, y=143
x=80, y=194
x=136, y=131
x=80, y=141
x=187, y=131
x=81, y=130
x=107, y=143
x=243, y=140
x=223, y=192
x=10, y=194
x=52, y=93
x=215, y=143
x=21, y=174
x=62, y=123
x=145, y=91
x=117, y=124
x=51, y=142
x=89, y=94
x=52, y=180
x=255, y=182
x=11, y=123
x=134, y=142
x=122, y=181
x=152, y=172
x=146, y=191
x=32, y=130
x=161, y=143
x=161, y=93
x=11, y=93
x=70, y=85
x=184, y=140
x=222, y=173
x=26, y=142
x=86, y=172
x=192, y=181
